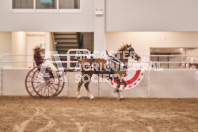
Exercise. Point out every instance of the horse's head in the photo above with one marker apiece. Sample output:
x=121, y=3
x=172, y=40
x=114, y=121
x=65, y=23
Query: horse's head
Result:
x=128, y=51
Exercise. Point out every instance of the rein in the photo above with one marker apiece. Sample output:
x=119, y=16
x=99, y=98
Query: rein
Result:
x=114, y=59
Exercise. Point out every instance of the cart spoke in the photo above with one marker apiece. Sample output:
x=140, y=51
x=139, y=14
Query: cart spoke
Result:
x=54, y=87
x=40, y=89
x=54, y=83
x=51, y=90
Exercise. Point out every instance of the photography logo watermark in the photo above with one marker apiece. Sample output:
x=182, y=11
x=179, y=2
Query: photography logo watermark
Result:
x=107, y=67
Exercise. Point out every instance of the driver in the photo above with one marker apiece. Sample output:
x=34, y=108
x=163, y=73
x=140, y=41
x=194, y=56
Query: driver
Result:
x=40, y=63
x=37, y=56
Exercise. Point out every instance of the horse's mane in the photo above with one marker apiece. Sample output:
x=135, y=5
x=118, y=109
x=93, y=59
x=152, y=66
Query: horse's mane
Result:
x=122, y=48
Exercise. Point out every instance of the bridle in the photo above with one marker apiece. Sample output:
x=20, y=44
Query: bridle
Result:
x=130, y=49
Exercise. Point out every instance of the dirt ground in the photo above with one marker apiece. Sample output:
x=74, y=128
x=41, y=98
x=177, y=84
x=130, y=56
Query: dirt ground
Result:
x=64, y=114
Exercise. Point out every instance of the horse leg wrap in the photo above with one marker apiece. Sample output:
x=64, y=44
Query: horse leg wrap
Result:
x=78, y=96
x=91, y=97
x=121, y=89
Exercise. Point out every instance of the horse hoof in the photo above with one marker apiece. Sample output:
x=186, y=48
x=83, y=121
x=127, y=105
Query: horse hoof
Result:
x=121, y=99
x=79, y=97
x=92, y=97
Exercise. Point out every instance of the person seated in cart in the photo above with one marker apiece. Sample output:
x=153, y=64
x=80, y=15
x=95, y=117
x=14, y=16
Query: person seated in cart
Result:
x=46, y=64
x=37, y=56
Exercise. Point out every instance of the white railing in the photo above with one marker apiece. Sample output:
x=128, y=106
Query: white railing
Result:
x=78, y=50
x=146, y=58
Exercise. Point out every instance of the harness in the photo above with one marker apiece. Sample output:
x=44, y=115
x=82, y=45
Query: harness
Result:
x=113, y=59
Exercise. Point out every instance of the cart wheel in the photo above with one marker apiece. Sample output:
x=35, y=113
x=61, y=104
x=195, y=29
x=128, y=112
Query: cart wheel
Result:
x=28, y=83
x=45, y=85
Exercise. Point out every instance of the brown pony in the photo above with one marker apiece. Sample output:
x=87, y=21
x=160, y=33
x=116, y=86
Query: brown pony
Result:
x=117, y=67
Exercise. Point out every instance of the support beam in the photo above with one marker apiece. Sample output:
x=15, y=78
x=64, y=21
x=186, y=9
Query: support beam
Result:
x=99, y=25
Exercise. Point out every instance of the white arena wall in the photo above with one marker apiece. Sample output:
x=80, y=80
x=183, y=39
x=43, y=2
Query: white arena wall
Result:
x=120, y=16
x=143, y=41
x=46, y=21
x=151, y=15
x=160, y=84
x=5, y=43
